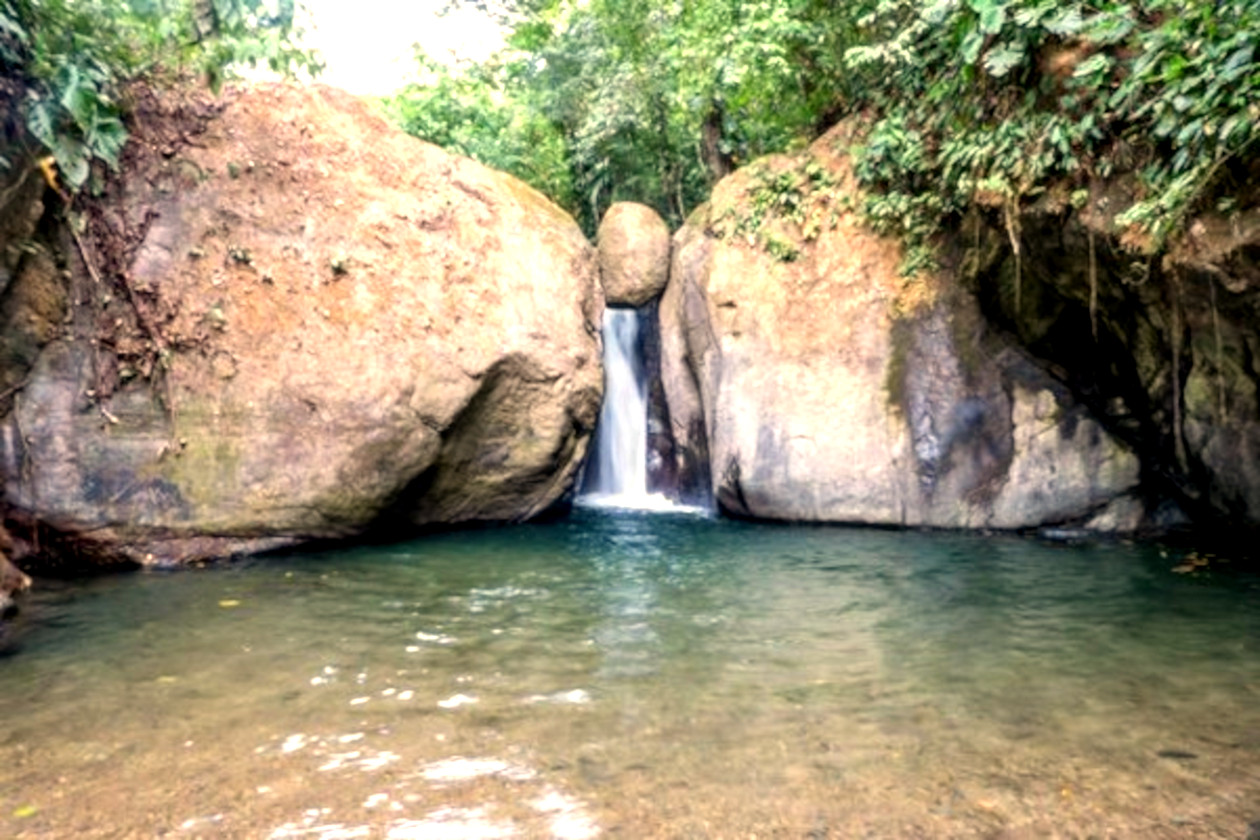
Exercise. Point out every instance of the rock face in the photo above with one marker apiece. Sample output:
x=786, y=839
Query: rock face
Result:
x=1169, y=360
x=826, y=388
x=633, y=254
x=328, y=326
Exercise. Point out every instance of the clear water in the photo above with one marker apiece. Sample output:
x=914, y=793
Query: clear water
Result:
x=642, y=676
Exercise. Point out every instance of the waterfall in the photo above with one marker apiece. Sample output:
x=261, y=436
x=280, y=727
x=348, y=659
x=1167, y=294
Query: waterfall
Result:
x=617, y=473
x=620, y=468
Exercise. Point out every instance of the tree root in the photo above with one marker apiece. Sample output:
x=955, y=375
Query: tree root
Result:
x=1093, y=285
x=1011, y=213
x=1220, y=353
x=1179, y=445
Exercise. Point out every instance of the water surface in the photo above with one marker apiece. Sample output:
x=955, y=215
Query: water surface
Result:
x=643, y=675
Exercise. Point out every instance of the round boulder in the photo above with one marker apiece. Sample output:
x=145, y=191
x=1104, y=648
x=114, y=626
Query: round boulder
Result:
x=330, y=328
x=633, y=254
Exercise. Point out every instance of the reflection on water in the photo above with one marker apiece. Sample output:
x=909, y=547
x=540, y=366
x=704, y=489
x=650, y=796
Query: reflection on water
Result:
x=643, y=676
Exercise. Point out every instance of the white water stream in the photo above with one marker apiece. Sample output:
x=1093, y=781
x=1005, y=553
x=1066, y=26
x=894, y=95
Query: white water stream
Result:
x=620, y=478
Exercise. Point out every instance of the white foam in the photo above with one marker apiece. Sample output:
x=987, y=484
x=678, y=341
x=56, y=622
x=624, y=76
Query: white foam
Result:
x=577, y=697
x=653, y=502
x=567, y=816
x=436, y=638
x=453, y=824
x=294, y=743
x=364, y=760
x=200, y=822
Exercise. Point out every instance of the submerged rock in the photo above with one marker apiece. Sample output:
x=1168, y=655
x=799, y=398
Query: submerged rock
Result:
x=633, y=254
x=12, y=579
x=825, y=387
x=12, y=582
x=327, y=326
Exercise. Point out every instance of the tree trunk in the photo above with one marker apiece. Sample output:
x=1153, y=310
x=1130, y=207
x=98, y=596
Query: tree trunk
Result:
x=716, y=161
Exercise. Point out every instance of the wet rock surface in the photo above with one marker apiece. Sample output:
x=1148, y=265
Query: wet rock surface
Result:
x=325, y=327
x=826, y=388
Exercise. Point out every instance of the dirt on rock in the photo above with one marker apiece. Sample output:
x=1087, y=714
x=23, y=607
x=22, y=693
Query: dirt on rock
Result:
x=290, y=321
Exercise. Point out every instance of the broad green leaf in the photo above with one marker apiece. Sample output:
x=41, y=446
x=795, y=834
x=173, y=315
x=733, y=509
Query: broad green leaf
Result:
x=1096, y=63
x=108, y=139
x=1238, y=60
x=72, y=160
x=1066, y=23
x=1002, y=60
x=935, y=14
x=40, y=121
x=1109, y=28
x=971, y=46
x=992, y=17
x=1231, y=126
x=14, y=30
x=80, y=101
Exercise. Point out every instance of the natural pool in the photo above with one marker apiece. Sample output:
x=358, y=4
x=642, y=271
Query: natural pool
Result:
x=635, y=675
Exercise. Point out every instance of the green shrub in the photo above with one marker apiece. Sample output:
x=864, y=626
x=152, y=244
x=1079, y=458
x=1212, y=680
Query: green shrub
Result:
x=989, y=102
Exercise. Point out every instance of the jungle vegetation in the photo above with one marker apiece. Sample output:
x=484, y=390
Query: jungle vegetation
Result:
x=962, y=103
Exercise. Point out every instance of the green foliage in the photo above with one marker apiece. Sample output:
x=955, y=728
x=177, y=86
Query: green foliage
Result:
x=474, y=111
x=987, y=102
x=656, y=99
x=782, y=207
x=75, y=57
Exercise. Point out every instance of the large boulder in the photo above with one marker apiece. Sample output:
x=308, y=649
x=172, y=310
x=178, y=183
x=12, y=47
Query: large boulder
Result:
x=812, y=382
x=298, y=323
x=633, y=246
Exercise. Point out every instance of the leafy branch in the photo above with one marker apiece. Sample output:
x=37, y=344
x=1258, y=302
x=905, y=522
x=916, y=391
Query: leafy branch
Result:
x=73, y=60
x=988, y=102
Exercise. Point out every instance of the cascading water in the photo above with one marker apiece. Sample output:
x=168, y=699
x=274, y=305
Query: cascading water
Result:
x=617, y=474
x=620, y=465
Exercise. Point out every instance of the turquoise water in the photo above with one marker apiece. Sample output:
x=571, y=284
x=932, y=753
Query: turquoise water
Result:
x=628, y=675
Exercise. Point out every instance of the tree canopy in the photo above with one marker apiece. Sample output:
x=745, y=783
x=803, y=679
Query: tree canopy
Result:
x=648, y=100
x=964, y=103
